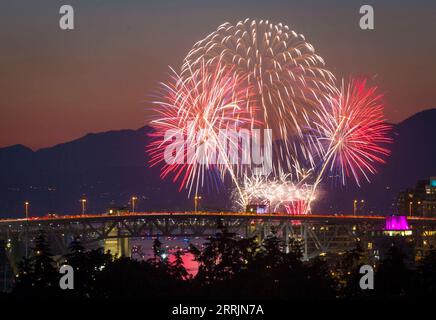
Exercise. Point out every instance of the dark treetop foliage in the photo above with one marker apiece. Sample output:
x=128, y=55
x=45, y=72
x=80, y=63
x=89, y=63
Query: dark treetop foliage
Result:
x=230, y=267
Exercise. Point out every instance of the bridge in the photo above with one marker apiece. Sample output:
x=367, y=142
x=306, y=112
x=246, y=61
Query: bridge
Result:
x=320, y=233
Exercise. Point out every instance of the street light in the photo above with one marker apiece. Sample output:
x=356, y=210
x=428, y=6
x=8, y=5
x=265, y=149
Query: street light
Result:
x=355, y=207
x=133, y=203
x=410, y=208
x=196, y=200
x=83, y=201
x=26, y=209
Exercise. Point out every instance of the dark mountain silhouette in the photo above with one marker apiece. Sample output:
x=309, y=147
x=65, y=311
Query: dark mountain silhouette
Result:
x=108, y=168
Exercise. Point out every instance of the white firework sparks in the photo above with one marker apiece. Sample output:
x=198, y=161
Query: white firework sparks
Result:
x=289, y=80
x=279, y=194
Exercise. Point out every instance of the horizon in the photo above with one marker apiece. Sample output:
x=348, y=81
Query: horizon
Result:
x=145, y=125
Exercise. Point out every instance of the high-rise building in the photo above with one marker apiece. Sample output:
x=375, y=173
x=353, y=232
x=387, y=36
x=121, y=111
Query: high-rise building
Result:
x=419, y=201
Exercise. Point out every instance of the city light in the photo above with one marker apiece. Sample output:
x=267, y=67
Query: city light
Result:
x=26, y=209
x=83, y=202
x=133, y=199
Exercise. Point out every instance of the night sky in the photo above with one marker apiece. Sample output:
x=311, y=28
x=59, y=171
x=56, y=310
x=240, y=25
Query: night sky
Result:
x=59, y=85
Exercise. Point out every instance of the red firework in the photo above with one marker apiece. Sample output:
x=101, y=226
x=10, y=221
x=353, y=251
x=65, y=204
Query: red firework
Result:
x=195, y=110
x=351, y=132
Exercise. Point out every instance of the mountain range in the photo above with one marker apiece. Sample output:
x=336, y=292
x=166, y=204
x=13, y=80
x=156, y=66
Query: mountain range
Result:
x=109, y=168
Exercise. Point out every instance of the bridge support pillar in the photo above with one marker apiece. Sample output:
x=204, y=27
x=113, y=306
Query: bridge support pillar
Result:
x=305, y=240
x=117, y=244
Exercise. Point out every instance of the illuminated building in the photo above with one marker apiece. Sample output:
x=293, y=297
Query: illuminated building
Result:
x=397, y=225
x=257, y=208
x=117, y=245
x=117, y=210
x=420, y=201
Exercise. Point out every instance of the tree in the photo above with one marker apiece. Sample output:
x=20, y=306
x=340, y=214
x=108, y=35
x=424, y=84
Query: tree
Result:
x=44, y=272
x=127, y=278
x=425, y=284
x=157, y=260
x=86, y=265
x=278, y=273
x=223, y=256
x=25, y=277
x=347, y=272
x=271, y=252
x=177, y=268
x=38, y=275
x=393, y=277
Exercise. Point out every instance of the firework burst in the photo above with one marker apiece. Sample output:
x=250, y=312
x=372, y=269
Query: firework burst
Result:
x=281, y=68
x=189, y=121
x=278, y=193
x=351, y=133
x=258, y=73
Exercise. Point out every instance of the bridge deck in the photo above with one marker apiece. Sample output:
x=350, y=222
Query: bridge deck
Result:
x=203, y=215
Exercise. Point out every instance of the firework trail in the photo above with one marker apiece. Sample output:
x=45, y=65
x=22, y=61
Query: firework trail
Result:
x=189, y=121
x=351, y=133
x=288, y=79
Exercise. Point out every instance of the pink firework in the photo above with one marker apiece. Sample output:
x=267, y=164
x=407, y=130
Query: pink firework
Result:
x=351, y=132
x=190, y=121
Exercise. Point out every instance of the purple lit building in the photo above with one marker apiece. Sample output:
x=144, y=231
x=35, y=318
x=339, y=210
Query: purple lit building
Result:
x=396, y=223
